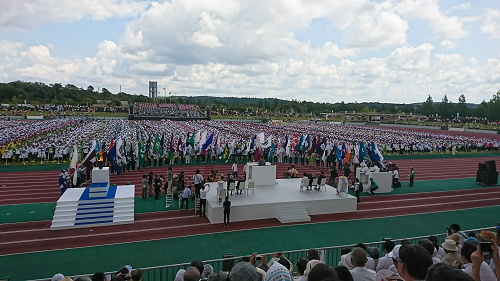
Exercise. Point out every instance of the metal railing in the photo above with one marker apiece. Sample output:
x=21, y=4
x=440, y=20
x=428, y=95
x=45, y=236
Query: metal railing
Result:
x=330, y=255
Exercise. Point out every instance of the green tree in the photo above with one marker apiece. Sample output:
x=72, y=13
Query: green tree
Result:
x=428, y=107
x=445, y=109
x=481, y=110
x=461, y=107
x=494, y=108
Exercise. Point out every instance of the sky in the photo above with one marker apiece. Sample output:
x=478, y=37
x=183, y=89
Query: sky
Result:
x=315, y=50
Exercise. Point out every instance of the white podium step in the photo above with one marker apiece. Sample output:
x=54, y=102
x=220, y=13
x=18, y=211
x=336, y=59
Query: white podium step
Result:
x=289, y=214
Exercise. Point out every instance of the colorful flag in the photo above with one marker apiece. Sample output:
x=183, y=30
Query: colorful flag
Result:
x=362, y=152
x=225, y=154
x=114, y=159
x=157, y=146
x=208, y=142
x=347, y=154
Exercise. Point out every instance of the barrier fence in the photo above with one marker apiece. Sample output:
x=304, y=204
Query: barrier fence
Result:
x=330, y=255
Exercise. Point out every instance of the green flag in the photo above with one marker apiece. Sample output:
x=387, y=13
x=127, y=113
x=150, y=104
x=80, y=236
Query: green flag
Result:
x=191, y=139
x=225, y=154
x=157, y=146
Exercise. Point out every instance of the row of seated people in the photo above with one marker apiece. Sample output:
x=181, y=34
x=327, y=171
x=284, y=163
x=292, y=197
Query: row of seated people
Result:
x=426, y=260
x=181, y=110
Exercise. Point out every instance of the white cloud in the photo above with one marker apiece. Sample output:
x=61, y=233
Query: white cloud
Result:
x=8, y=49
x=463, y=6
x=28, y=14
x=491, y=23
x=447, y=44
x=443, y=26
x=387, y=29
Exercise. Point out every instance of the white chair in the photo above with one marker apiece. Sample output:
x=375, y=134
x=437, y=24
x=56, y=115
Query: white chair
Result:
x=169, y=200
x=322, y=184
x=304, y=183
x=343, y=189
x=222, y=195
x=314, y=183
x=232, y=188
x=250, y=187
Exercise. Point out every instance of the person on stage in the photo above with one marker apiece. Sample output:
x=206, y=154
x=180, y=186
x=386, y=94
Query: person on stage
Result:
x=227, y=211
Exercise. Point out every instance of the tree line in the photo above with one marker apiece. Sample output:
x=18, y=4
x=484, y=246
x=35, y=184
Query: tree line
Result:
x=39, y=93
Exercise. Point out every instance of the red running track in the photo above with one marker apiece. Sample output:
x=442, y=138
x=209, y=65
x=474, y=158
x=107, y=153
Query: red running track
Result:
x=35, y=236
x=39, y=187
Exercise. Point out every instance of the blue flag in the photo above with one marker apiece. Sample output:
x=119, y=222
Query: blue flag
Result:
x=374, y=155
x=343, y=151
x=271, y=152
x=321, y=147
x=208, y=142
x=337, y=153
x=362, y=152
x=114, y=160
x=252, y=142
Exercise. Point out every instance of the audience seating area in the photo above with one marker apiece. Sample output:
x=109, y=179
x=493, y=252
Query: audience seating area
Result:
x=166, y=110
x=336, y=263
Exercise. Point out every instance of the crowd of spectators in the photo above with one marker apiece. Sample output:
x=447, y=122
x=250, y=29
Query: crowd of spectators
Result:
x=472, y=257
x=167, y=110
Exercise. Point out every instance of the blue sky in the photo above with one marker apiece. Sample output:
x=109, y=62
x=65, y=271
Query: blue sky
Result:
x=360, y=50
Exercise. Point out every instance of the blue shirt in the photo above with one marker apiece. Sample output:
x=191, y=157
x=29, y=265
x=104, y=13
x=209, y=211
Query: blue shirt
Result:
x=186, y=193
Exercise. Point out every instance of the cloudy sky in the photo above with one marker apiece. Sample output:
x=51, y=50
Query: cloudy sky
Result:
x=315, y=50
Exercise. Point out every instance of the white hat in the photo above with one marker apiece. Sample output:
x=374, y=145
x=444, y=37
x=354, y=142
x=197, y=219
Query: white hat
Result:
x=395, y=252
x=345, y=260
x=449, y=245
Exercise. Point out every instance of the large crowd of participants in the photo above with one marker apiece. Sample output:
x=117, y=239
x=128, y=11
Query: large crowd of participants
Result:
x=461, y=256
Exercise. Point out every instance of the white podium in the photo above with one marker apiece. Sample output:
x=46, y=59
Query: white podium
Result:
x=383, y=180
x=261, y=175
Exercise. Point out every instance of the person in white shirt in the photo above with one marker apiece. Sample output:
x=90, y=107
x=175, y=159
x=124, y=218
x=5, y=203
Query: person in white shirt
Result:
x=203, y=199
x=235, y=170
x=485, y=272
x=360, y=272
x=385, y=262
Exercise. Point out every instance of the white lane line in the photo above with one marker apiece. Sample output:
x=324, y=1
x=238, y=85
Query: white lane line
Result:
x=182, y=226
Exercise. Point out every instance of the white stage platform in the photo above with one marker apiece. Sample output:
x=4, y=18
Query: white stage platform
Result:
x=285, y=195
x=97, y=205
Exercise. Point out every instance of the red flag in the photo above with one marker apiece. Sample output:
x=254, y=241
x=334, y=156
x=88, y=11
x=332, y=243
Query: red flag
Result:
x=172, y=143
x=111, y=144
x=179, y=147
x=256, y=157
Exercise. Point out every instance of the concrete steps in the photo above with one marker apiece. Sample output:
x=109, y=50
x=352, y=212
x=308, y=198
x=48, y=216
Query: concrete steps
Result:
x=289, y=214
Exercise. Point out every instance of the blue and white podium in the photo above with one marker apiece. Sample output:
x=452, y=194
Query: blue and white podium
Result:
x=97, y=205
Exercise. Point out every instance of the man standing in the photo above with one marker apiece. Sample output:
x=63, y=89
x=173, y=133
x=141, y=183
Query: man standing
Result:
x=185, y=197
x=170, y=175
x=412, y=177
x=150, y=184
x=198, y=181
x=358, y=187
x=235, y=170
x=203, y=199
x=395, y=178
x=360, y=272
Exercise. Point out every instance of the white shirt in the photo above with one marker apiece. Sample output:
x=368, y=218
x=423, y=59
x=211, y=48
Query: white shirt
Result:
x=363, y=274
x=235, y=168
x=203, y=192
x=485, y=272
x=384, y=263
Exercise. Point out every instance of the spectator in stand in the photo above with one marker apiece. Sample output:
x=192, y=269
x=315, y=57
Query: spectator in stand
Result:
x=180, y=275
x=57, y=277
x=413, y=262
x=385, y=262
x=207, y=271
x=301, y=268
x=322, y=271
x=394, y=254
x=455, y=228
x=191, y=274
x=99, y=276
x=485, y=272
x=137, y=275
x=451, y=257
x=429, y=247
x=244, y=271
x=278, y=272
x=343, y=273
x=443, y=272
x=198, y=264
x=358, y=260
x=370, y=263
